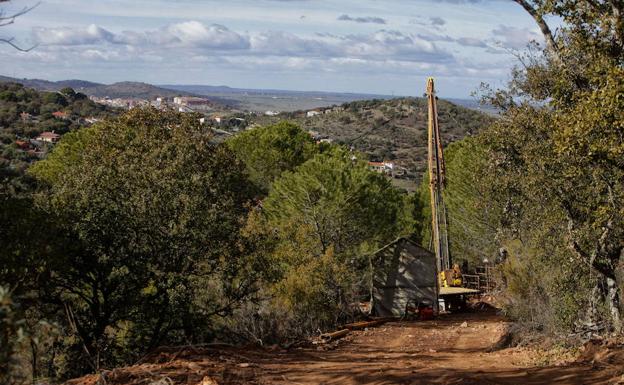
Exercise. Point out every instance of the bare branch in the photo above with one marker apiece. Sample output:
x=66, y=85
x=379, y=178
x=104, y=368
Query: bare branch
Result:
x=5, y=20
x=10, y=19
x=11, y=42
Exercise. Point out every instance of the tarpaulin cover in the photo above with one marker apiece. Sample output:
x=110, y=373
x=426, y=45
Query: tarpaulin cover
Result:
x=405, y=275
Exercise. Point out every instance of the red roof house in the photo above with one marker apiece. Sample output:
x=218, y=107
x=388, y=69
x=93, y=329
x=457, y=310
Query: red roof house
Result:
x=60, y=115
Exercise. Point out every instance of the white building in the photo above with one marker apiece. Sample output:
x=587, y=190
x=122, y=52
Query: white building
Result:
x=49, y=137
x=381, y=167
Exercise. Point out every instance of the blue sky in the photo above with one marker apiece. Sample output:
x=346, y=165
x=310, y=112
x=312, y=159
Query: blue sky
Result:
x=370, y=46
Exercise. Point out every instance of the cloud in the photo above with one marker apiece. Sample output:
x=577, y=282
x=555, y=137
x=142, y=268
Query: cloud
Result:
x=365, y=19
x=196, y=34
x=380, y=45
x=462, y=1
x=437, y=21
x=199, y=40
x=463, y=41
x=515, y=38
x=433, y=37
x=471, y=42
x=287, y=44
x=72, y=36
x=185, y=34
x=394, y=45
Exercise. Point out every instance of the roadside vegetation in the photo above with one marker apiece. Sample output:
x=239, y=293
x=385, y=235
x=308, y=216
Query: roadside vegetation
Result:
x=142, y=230
x=541, y=189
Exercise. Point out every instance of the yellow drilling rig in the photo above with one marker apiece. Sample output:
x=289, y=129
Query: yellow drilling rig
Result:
x=449, y=276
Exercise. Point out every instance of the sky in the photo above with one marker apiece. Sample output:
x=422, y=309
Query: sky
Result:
x=361, y=46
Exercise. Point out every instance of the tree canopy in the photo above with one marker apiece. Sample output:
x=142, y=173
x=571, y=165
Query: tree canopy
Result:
x=149, y=212
x=328, y=215
x=269, y=151
x=555, y=164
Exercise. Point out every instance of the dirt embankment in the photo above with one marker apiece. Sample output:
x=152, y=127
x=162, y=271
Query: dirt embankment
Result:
x=450, y=350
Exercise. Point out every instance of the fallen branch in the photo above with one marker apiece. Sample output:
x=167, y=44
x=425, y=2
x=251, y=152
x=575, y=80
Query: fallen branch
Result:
x=364, y=324
x=335, y=335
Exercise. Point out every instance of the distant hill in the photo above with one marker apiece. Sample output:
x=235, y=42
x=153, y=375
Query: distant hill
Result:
x=223, y=97
x=115, y=90
x=132, y=90
x=394, y=129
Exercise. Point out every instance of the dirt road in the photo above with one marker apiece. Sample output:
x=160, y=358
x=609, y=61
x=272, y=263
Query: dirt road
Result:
x=450, y=350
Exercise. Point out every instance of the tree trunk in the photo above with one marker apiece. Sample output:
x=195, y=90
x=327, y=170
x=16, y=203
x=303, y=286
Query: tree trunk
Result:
x=617, y=7
x=613, y=301
x=551, y=45
x=596, y=298
x=34, y=359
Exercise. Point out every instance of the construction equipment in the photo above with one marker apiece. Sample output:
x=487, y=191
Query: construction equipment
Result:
x=449, y=277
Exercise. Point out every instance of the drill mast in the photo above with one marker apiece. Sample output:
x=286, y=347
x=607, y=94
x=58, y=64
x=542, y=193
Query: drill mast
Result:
x=439, y=226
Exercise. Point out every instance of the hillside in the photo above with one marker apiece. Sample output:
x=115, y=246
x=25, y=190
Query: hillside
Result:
x=115, y=90
x=393, y=129
x=131, y=90
x=25, y=113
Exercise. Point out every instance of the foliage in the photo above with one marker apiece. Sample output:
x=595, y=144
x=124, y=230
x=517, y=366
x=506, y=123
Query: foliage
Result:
x=328, y=214
x=556, y=164
x=345, y=203
x=142, y=232
x=472, y=213
x=269, y=151
x=11, y=334
x=149, y=213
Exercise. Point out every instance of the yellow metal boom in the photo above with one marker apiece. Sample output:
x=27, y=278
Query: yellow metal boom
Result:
x=439, y=226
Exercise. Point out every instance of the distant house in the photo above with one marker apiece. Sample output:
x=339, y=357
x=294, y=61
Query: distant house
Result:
x=271, y=113
x=60, y=115
x=312, y=113
x=192, y=103
x=388, y=168
x=48, y=137
x=376, y=166
x=92, y=120
x=381, y=167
